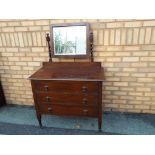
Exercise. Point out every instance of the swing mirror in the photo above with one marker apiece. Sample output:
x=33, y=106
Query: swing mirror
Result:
x=70, y=40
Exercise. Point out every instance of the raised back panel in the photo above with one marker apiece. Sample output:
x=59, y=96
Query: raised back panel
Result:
x=73, y=66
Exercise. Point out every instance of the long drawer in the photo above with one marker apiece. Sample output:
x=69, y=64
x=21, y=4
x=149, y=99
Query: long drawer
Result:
x=67, y=99
x=68, y=110
x=66, y=86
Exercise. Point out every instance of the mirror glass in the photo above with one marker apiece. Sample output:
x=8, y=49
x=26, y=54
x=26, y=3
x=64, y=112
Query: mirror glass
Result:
x=69, y=40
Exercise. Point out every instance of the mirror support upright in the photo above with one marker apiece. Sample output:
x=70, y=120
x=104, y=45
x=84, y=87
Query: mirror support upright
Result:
x=91, y=46
x=49, y=47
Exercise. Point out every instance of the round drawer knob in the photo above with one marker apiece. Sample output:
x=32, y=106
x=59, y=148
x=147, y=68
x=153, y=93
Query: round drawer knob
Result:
x=85, y=111
x=48, y=99
x=84, y=101
x=49, y=109
x=84, y=89
x=46, y=88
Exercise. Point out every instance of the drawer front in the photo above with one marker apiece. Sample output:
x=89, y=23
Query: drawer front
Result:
x=67, y=99
x=66, y=86
x=68, y=110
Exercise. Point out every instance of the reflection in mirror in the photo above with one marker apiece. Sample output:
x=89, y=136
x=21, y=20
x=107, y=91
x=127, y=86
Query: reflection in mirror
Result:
x=70, y=40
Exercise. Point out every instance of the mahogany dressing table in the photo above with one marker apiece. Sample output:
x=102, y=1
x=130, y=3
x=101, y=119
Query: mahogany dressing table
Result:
x=69, y=88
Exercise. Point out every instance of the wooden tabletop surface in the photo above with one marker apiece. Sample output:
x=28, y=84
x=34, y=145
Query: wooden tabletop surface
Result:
x=70, y=71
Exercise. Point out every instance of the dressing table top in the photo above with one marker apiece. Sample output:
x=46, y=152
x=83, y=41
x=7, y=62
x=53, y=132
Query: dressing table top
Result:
x=72, y=71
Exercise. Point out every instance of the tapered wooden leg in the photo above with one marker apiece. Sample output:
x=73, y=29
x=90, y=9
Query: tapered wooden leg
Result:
x=39, y=120
x=100, y=107
x=100, y=123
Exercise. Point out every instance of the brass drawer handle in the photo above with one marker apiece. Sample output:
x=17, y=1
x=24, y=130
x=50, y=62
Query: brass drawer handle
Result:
x=85, y=101
x=49, y=109
x=84, y=89
x=48, y=99
x=85, y=110
x=46, y=88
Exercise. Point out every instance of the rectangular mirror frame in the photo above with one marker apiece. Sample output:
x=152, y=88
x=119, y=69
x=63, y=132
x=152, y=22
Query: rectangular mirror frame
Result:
x=67, y=25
